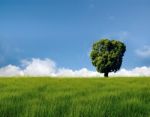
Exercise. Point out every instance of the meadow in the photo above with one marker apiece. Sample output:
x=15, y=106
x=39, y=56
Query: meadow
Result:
x=75, y=97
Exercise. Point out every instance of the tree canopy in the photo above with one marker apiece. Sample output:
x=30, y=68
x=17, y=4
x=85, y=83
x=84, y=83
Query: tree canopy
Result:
x=107, y=55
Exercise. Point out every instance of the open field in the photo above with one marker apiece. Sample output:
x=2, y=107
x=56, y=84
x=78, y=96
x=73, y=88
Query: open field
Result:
x=81, y=97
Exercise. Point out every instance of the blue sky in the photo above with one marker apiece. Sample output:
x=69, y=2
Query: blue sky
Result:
x=64, y=30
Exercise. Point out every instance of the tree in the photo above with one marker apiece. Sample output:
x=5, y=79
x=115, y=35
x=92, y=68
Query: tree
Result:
x=107, y=55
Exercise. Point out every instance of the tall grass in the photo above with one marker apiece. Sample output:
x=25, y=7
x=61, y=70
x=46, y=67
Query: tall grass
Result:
x=82, y=97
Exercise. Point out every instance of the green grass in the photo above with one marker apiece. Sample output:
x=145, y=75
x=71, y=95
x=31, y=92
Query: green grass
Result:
x=80, y=97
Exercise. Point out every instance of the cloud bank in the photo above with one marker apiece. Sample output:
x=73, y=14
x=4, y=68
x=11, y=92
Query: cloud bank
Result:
x=47, y=67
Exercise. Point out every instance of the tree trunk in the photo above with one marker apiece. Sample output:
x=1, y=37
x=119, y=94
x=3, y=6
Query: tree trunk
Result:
x=106, y=74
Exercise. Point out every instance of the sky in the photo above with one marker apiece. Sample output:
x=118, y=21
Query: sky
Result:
x=63, y=31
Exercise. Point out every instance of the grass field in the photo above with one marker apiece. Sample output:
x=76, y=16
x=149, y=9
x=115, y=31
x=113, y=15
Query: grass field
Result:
x=80, y=97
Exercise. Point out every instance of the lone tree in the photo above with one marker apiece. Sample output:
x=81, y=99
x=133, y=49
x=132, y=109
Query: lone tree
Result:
x=106, y=55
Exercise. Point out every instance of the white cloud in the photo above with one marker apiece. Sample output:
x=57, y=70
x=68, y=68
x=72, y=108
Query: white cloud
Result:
x=143, y=52
x=77, y=73
x=138, y=71
x=38, y=67
x=11, y=70
x=47, y=67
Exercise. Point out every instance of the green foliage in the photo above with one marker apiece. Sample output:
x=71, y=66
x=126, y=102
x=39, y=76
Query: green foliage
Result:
x=93, y=97
x=106, y=55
